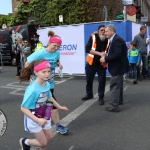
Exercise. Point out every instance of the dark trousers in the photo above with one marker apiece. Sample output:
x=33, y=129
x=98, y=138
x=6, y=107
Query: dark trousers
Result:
x=18, y=63
x=52, y=92
x=143, y=58
x=90, y=74
x=138, y=71
x=133, y=71
x=116, y=89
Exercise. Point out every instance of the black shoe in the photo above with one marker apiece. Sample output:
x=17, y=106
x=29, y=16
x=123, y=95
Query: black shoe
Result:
x=23, y=145
x=87, y=97
x=101, y=101
x=120, y=103
x=110, y=109
x=134, y=82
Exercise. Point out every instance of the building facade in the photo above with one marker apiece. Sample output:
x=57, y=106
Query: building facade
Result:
x=15, y=3
x=114, y=7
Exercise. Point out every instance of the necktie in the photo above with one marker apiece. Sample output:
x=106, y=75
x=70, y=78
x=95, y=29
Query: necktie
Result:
x=109, y=46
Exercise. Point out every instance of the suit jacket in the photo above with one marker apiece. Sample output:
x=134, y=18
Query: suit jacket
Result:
x=117, y=57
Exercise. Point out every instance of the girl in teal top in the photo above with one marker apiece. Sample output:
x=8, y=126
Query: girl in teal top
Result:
x=51, y=54
x=35, y=105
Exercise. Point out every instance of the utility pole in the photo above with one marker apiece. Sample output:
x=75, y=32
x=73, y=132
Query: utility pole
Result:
x=105, y=13
x=125, y=13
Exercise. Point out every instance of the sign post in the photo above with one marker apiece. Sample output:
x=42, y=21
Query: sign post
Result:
x=125, y=13
x=120, y=16
x=60, y=18
x=105, y=13
x=144, y=19
x=127, y=2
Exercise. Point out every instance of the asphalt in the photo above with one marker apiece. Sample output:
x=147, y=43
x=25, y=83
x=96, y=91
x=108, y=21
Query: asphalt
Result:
x=91, y=129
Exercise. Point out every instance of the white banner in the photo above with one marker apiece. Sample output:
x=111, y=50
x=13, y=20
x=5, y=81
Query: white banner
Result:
x=72, y=50
x=135, y=29
x=148, y=36
x=43, y=36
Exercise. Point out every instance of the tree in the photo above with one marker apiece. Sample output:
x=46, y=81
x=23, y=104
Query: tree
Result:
x=73, y=12
x=5, y=20
x=46, y=12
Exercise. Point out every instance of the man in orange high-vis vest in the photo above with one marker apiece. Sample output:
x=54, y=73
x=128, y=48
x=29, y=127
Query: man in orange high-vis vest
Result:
x=95, y=48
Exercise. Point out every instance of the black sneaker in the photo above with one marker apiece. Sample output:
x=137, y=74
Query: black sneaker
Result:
x=87, y=97
x=134, y=82
x=23, y=145
x=101, y=101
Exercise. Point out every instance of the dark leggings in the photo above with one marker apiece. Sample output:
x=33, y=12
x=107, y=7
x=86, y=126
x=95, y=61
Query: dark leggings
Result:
x=52, y=91
x=18, y=64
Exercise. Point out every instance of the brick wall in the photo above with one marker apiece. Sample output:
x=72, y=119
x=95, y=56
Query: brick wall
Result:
x=15, y=3
x=114, y=7
x=96, y=9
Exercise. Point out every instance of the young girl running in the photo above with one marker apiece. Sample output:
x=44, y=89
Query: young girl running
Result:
x=52, y=54
x=36, y=105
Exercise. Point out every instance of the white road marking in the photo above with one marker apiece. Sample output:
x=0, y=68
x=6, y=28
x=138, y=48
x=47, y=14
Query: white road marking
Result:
x=125, y=88
x=64, y=80
x=20, y=87
x=71, y=148
x=70, y=117
x=78, y=111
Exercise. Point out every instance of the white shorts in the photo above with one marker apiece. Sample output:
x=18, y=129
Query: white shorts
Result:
x=32, y=127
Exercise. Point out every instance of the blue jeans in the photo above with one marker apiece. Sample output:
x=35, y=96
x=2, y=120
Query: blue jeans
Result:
x=133, y=71
x=22, y=62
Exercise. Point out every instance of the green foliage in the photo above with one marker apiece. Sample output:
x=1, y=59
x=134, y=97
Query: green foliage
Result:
x=110, y=14
x=73, y=12
x=5, y=20
x=46, y=12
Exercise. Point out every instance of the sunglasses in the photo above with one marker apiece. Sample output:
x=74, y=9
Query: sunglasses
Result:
x=102, y=30
x=25, y=42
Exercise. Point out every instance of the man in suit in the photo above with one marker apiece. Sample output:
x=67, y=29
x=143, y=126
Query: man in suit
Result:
x=117, y=65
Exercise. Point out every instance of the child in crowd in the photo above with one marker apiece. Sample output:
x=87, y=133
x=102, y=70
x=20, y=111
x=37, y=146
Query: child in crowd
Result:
x=36, y=105
x=134, y=60
x=148, y=60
